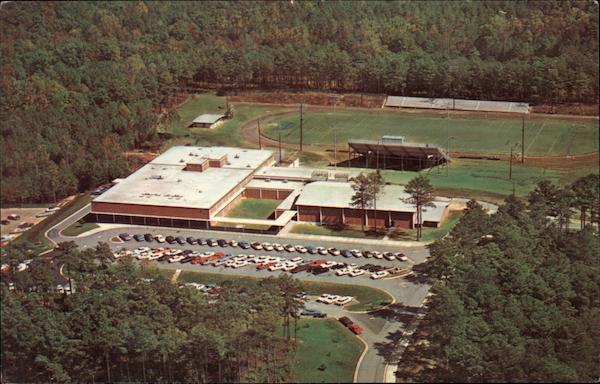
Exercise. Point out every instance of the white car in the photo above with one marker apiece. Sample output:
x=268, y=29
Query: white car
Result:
x=296, y=260
x=379, y=275
x=356, y=272
x=342, y=271
x=289, y=248
x=322, y=251
x=377, y=255
x=267, y=246
x=389, y=256
x=241, y=256
x=329, y=264
x=343, y=300
x=233, y=243
x=229, y=263
x=401, y=256
x=301, y=249
x=334, y=251
x=356, y=252
x=273, y=259
x=288, y=267
x=176, y=259
x=278, y=247
x=240, y=264
x=160, y=238
x=325, y=298
x=276, y=267
x=256, y=245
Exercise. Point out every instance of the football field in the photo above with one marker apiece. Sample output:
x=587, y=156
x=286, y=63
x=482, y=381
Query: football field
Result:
x=467, y=132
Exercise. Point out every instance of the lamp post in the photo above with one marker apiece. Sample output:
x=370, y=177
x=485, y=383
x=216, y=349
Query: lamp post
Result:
x=512, y=148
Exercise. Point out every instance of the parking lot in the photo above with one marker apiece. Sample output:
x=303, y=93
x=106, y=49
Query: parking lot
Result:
x=380, y=327
x=26, y=216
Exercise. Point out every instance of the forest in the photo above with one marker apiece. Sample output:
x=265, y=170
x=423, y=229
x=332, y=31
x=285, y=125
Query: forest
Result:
x=81, y=82
x=517, y=294
x=124, y=323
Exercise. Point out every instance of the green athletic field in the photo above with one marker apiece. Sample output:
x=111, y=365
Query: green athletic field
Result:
x=543, y=136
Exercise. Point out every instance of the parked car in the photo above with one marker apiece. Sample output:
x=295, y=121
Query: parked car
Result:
x=222, y=243
x=401, y=256
x=319, y=270
x=301, y=268
x=5, y=222
x=312, y=250
x=334, y=251
x=367, y=254
x=244, y=245
x=267, y=246
x=191, y=240
x=313, y=313
x=343, y=300
x=170, y=239
x=138, y=237
x=346, y=321
x=180, y=240
x=379, y=275
x=256, y=245
x=355, y=329
x=322, y=251
x=289, y=247
x=356, y=252
x=148, y=237
x=233, y=243
x=201, y=241
x=14, y=216
x=212, y=242
x=346, y=253
x=377, y=255
x=356, y=272
x=278, y=247
x=125, y=236
x=389, y=256
x=160, y=238
x=301, y=249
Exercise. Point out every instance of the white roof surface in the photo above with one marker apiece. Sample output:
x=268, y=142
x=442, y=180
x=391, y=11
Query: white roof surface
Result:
x=339, y=195
x=274, y=184
x=163, y=182
x=301, y=172
x=459, y=104
x=208, y=119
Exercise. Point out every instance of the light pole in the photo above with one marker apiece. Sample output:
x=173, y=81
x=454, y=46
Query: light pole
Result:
x=448, y=154
x=512, y=148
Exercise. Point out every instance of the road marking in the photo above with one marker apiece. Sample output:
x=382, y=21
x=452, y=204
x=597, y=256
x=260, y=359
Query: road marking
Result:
x=175, y=276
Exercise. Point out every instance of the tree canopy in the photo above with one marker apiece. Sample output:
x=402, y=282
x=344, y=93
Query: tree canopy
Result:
x=126, y=323
x=516, y=298
x=81, y=81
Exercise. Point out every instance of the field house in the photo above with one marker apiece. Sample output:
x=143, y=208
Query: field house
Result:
x=195, y=187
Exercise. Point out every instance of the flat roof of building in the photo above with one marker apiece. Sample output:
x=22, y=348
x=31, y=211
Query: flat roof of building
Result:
x=239, y=158
x=163, y=181
x=208, y=119
x=301, y=172
x=339, y=195
x=275, y=184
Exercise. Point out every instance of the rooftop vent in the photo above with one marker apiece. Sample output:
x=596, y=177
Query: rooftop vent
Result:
x=236, y=156
x=181, y=161
x=248, y=166
x=179, y=180
x=199, y=191
x=267, y=180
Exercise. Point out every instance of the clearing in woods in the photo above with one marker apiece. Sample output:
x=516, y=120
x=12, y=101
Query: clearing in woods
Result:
x=467, y=132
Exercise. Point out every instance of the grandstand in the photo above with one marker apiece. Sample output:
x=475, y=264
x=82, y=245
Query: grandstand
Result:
x=456, y=104
x=395, y=154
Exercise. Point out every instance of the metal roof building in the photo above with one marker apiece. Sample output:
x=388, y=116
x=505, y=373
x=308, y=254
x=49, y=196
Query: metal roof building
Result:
x=206, y=120
x=456, y=104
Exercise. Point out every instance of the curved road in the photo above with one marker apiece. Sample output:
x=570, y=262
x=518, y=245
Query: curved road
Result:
x=382, y=329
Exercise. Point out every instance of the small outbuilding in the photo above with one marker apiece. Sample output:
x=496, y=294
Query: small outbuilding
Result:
x=207, y=121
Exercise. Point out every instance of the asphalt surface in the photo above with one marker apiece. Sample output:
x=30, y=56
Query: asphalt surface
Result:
x=383, y=329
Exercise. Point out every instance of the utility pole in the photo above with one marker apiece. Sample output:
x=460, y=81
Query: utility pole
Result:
x=259, y=138
x=334, y=148
x=279, y=147
x=300, y=127
x=510, y=164
x=523, y=141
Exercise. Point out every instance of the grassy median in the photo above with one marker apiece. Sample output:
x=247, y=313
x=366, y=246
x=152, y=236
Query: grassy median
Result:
x=369, y=299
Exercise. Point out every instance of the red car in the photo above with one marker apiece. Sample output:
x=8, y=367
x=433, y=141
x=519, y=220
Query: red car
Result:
x=264, y=265
x=356, y=329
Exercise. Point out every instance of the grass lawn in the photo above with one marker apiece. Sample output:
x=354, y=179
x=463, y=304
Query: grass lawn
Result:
x=226, y=134
x=368, y=298
x=78, y=228
x=320, y=230
x=254, y=208
x=429, y=235
x=35, y=234
x=543, y=136
x=328, y=345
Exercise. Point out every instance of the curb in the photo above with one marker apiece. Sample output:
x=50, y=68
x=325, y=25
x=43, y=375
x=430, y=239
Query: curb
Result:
x=360, y=359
